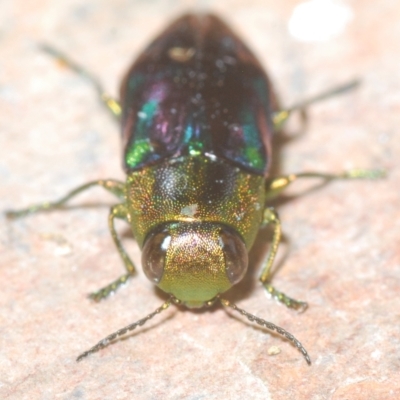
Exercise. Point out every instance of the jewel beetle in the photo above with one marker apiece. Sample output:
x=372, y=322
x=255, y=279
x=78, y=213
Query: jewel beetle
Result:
x=197, y=114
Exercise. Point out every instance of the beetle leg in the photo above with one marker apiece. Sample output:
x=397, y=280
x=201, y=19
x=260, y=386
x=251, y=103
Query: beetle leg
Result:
x=117, y=211
x=112, y=105
x=280, y=117
x=275, y=186
x=115, y=187
x=271, y=217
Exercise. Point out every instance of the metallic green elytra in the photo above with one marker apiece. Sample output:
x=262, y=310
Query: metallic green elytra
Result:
x=197, y=116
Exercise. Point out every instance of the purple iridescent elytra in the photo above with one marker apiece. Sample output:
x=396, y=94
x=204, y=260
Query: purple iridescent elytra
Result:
x=197, y=89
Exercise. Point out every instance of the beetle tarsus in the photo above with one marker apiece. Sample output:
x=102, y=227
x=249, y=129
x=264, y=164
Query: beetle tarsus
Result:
x=111, y=288
x=111, y=104
x=289, y=302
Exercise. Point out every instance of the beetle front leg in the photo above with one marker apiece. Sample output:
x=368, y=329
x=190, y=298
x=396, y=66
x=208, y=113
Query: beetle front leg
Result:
x=117, y=211
x=271, y=217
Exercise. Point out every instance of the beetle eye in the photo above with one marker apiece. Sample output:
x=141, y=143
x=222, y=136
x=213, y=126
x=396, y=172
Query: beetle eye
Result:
x=235, y=252
x=153, y=255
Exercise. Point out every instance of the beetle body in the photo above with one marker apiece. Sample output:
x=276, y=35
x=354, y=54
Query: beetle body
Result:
x=196, y=128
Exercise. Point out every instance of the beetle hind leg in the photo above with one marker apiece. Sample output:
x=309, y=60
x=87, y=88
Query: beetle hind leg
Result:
x=271, y=217
x=118, y=211
x=111, y=104
x=280, y=117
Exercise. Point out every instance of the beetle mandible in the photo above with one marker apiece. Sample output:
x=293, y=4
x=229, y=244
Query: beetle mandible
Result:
x=197, y=115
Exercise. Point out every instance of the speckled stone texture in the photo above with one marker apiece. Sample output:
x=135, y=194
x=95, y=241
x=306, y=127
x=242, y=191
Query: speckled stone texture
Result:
x=342, y=241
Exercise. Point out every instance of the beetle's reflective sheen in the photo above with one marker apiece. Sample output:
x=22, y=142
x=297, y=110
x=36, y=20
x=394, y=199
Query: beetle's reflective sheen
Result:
x=200, y=202
x=197, y=115
x=196, y=129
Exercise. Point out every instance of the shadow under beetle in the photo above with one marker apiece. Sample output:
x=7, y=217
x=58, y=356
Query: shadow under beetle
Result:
x=197, y=115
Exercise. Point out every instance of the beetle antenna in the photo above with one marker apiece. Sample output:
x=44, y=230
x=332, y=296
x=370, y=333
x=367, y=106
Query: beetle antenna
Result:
x=270, y=326
x=106, y=341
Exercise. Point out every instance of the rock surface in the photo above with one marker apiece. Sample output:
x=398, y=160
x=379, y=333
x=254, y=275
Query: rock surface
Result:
x=342, y=240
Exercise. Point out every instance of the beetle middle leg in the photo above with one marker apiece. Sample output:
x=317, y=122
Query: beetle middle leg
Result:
x=115, y=187
x=274, y=187
x=118, y=211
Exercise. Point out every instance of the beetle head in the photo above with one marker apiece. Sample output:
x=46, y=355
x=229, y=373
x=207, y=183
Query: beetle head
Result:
x=194, y=261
